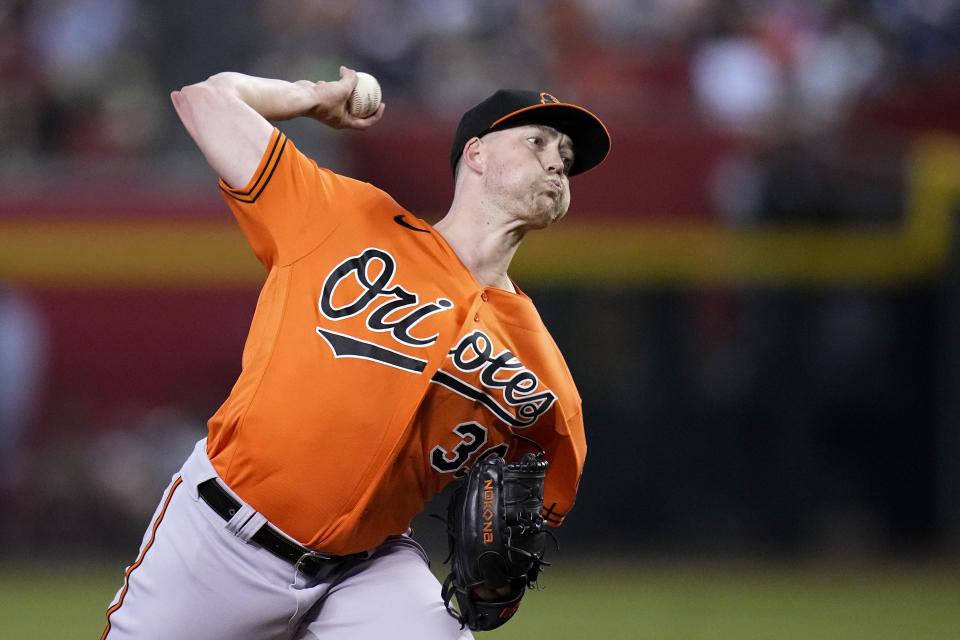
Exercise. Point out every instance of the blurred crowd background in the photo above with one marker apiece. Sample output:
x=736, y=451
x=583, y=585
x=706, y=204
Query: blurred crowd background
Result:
x=83, y=77
x=754, y=415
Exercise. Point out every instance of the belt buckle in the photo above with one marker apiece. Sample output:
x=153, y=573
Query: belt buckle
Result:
x=311, y=562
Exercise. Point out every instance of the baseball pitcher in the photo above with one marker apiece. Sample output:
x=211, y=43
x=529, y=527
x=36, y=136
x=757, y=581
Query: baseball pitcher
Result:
x=386, y=358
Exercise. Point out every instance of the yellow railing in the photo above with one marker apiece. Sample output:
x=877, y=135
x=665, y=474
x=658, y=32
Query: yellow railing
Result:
x=704, y=253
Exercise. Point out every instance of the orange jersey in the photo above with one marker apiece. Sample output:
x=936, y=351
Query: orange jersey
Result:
x=376, y=369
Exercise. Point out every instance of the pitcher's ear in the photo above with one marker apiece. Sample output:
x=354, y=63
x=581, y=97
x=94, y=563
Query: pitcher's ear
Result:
x=473, y=154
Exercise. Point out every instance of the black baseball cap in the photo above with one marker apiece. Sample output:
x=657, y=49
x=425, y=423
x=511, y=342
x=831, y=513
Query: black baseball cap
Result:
x=509, y=108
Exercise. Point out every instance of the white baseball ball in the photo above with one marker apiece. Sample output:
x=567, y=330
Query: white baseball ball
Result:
x=365, y=99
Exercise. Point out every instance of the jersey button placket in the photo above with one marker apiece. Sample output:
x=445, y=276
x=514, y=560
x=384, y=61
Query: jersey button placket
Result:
x=484, y=297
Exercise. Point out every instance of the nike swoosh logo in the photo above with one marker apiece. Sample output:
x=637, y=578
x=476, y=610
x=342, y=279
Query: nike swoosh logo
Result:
x=403, y=223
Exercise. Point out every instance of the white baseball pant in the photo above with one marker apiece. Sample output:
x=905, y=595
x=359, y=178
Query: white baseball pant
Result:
x=198, y=577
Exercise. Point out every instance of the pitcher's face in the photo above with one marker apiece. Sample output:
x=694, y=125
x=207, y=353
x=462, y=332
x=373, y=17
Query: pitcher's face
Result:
x=526, y=172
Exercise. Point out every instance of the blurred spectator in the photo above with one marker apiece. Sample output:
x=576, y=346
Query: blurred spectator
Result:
x=23, y=358
x=21, y=91
x=925, y=33
x=79, y=83
x=75, y=40
x=738, y=83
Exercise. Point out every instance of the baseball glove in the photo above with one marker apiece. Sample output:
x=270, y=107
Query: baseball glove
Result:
x=497, y=540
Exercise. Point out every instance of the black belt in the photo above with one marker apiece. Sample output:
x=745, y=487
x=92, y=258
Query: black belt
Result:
x=307, y=561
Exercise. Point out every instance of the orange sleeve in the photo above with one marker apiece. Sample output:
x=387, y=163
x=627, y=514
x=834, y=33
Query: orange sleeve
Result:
x=286, y=211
